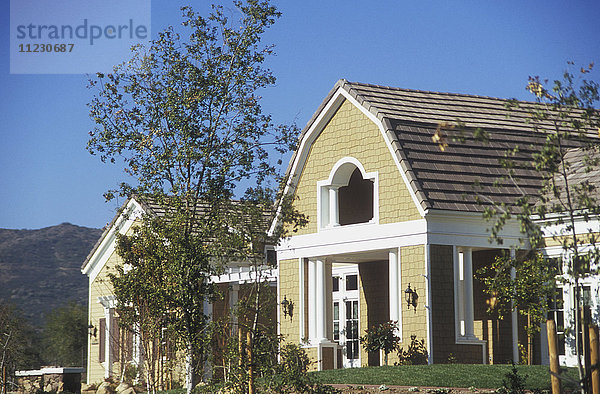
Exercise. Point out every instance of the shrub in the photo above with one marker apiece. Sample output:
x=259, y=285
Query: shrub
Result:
x=381, y=337
x=415, y=354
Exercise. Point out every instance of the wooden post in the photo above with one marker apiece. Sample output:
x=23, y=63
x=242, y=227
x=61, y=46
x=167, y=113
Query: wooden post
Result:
x=250, y=360
x=240, y=347
x=593, y=330
x=586, y=318
x=529, y=341
x=553, y=351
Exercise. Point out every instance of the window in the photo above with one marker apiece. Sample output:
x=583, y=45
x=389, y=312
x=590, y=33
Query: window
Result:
x=356, y=200
x=348, y=196
x=352, y=340
x=336, y=283
x=351, y=282
x=336, y=321
x=556, y=312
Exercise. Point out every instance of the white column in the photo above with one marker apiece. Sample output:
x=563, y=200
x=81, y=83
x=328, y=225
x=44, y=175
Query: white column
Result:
x=301, y=289
x=321, y=307
x=334, y=215
x=234, y=290
x=459, y=310
x=468, y=287
x=514, y=317
x=395, y=303
x=207, y=310
x=312, y=301
x=109, y=316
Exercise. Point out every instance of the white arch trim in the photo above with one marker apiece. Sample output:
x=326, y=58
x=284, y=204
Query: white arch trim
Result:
x=338, y=177
x=343, y=169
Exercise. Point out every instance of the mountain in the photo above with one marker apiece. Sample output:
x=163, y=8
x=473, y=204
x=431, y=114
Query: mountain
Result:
x=40, y=269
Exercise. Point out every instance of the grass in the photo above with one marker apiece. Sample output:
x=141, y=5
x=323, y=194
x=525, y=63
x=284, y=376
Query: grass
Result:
x=441, y=375
x=437, y=375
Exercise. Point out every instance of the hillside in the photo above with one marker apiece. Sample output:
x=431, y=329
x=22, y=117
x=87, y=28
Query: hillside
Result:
x=40, y=269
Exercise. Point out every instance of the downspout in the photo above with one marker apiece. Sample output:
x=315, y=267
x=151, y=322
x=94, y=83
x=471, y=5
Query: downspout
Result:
x=428, y=302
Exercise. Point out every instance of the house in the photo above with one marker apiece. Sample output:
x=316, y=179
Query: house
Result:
x=111, y=347
x=394, y=212
x=395, y=232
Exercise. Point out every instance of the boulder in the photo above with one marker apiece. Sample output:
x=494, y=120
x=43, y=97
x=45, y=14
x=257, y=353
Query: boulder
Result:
x=122, y=387
x=105, y=388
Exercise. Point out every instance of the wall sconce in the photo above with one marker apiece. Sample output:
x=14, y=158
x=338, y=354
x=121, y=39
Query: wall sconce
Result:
x=92, y=330
x=288, y=308
x=411, y=297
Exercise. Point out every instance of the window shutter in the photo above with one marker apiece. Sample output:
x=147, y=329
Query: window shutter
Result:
x=101, y=339
x=128, y=356
x=114, y=339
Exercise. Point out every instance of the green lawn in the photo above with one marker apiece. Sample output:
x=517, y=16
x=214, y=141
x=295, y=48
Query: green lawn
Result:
x=437, y=375
x=440, y=375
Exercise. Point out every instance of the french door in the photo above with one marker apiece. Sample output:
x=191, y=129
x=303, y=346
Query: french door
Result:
x=346, y=317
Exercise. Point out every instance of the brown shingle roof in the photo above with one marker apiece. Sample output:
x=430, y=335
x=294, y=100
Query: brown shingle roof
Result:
x=580, y=173
x=435, y=107
x=153, y=208
x=445, y=179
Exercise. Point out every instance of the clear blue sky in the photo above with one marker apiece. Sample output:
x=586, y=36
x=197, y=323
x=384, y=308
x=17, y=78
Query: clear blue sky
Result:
x=477, y=47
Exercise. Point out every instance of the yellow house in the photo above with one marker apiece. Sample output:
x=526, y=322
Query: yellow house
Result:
x=395, y=232
x=386, y=182
x=111, y=347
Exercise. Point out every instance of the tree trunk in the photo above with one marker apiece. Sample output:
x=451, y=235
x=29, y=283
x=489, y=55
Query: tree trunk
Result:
x=529, y=341
x=593, y=333
x=189, y=368
x=553, y=350
x=250, y=361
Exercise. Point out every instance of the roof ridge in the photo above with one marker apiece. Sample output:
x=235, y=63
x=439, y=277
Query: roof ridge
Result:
x=394, y=88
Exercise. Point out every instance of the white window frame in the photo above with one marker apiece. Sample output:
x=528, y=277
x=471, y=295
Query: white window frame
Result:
x=338, y=177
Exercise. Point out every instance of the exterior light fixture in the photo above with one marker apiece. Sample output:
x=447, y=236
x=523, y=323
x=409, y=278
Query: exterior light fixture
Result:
x=288, y=308
x=92, y=330
x=411, y=297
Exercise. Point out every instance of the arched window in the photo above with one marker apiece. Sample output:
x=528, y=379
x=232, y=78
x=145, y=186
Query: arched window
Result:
x=355, y=201
x=349, y=196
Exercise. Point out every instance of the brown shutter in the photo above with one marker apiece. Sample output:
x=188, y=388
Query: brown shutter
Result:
x=101, y=339
x=129, y=344
x=114, y=339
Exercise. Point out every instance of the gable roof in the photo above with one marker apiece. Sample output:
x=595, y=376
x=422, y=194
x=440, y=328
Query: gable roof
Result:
x=133, y=209
x=444, y=180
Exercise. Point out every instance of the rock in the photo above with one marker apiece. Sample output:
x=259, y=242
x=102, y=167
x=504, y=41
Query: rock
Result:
x=129, y=390
x=105, y=388
x=122, y=387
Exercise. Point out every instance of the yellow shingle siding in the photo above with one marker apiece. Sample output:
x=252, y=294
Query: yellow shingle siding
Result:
x=289, y=286
x=100, y=287
x=351, y=133
x=413, y=271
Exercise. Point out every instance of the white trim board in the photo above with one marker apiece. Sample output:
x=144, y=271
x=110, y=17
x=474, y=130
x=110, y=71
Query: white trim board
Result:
x=130, y=214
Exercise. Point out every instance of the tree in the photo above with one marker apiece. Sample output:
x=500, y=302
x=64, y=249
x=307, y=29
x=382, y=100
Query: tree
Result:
x=382, y=337
x=18, y=349
x=527, y=291
x=65, y=336
x=567, y=115
x=184, y=116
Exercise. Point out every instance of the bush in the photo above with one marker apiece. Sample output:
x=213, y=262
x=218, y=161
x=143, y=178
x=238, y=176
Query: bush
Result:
x=293, y=374
x=415, y=354
x=381, y=337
